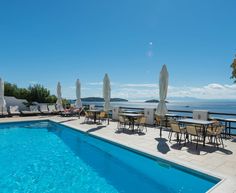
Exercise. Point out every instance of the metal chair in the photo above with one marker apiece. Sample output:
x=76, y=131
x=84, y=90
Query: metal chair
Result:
x=178, y=130
x=193, y=130
x=215, y=132
x=141, y=123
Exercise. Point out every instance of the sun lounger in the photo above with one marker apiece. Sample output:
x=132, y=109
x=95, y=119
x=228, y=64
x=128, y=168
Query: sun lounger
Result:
x=3, y=112
x=79, y=111
x=44, y=109
x=52, y=109
x=14, y=110
x=33, y=111
x=67, y=113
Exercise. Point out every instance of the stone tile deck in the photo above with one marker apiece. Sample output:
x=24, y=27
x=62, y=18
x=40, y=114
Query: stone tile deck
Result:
x=217, y=162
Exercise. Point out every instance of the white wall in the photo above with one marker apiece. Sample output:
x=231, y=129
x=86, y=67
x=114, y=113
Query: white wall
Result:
x=12, y=101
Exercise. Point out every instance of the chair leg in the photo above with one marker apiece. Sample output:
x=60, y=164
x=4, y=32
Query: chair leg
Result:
x=222, y=141
x=185, y=138
x=180, y=138
x=170, y=135
x=197, y=142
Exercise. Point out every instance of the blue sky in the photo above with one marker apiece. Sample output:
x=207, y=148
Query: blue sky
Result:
x=53, y=40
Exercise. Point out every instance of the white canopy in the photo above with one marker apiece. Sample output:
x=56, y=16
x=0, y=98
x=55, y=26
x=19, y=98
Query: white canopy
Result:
x=78, y=102
x=59, y=98
x=2, y=100
x=163, y=87
x=106, y=92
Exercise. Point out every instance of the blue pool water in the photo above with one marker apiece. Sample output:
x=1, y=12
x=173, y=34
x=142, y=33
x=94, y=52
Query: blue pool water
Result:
x=43, y=156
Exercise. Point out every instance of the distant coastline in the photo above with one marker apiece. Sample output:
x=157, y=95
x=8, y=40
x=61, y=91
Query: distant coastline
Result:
x=154, y=101
x=100, y=99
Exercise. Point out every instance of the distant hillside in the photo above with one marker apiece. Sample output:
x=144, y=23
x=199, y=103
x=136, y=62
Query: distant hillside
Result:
x=154, y=101
x=99, y=99
x=118, y=100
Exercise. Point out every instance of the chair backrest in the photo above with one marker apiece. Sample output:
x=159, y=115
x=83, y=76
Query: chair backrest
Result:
x=33, y=108
x=158, y=119
x=191, y=129
x=81, y=110
x=86, y=113
x=142, y=120
x=219, y=129
x=121, y=119
x=102, y=114
x=175, y=127
x=51, y=108
x=43, y=107
x=14, y=109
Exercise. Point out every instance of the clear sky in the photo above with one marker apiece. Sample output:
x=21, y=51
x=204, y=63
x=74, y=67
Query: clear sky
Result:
x=48, y=41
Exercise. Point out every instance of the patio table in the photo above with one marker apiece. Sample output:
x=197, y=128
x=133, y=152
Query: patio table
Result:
x=95, y=112
x=202, y=123
x=132, y=117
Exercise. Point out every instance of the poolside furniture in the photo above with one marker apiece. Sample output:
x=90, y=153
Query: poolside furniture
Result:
x=141, y=123
x=131, y=117
x=215, y=134
x=3, y=112
x=33, y=111
x=178, y=130
x=170, y=117
x=88, y=117
x=14, y=110
x=160, y=123
x=122, y=122
x=95, y=113
x=102, y=116
x=78, y=111
x=194, y=130
x=201, y=123
x=67, y=113
x=43, y=108
x=52, y=109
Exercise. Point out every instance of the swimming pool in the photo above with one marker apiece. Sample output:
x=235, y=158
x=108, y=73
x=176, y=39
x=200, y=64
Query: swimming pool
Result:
x=43, y=156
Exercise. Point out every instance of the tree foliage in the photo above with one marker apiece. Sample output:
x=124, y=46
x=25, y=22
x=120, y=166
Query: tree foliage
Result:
x=35, y=93
x=233, y=66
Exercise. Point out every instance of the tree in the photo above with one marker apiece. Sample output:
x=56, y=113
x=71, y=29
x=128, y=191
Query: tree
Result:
x=51, y=99
x=22, y=93
x=10, y=89
x=35, y=93
x=233, y=66
x=38, y=93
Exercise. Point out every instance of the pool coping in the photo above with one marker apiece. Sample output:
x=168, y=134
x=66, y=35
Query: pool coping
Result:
x=219, y=187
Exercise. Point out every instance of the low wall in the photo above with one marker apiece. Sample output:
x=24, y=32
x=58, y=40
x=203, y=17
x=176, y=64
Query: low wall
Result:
x=12, y=101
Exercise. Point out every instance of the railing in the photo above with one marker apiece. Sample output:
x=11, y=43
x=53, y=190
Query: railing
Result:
x=184, y=113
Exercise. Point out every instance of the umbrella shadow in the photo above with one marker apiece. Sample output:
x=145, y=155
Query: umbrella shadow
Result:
x=162, y=145
x=129, y=132
x=95, y=129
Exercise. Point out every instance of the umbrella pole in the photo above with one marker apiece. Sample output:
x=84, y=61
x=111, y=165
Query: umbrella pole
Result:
x=161, y=123
x=108, y=118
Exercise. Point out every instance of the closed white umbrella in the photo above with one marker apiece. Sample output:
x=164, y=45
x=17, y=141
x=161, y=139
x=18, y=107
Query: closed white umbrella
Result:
x=59, y=98
x=78, y=102
x=163, y=87
x=2, y=100
x=106, y=92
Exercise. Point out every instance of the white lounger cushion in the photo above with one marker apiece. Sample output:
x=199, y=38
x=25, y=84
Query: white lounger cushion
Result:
x=34, y=108
x=14, y=109
x=43, y=107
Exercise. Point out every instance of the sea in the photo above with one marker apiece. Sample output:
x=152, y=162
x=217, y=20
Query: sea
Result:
x=211, y=106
